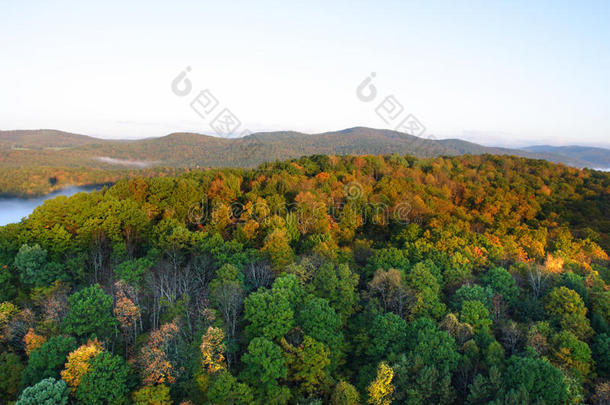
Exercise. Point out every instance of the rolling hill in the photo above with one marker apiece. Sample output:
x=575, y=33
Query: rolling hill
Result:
x=43, y=138
x=57, y=148
x=594, y=157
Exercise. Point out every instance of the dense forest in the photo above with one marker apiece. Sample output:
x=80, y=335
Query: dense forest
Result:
x=342, y=280
x=29, y=158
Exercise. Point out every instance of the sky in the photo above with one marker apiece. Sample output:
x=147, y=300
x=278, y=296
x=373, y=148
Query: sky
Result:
x=506, y=73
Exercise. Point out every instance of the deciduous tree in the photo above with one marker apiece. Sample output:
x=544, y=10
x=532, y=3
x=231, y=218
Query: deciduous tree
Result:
x=381, y=389
x=212, y=350
x=32, y=341
x=566, y=308
x=79, y=361
x=345, y=394
x=154, y=361
x=48, y=360
x=152, y=395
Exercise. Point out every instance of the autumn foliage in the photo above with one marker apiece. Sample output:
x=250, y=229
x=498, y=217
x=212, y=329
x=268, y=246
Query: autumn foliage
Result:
x=323, y=279
x=155, y=364
x=79, y=361
x=212, y=350
x=32, y=341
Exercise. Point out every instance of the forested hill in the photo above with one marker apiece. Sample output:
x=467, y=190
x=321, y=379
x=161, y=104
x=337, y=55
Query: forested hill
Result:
x=596, y=157
x=59, y=149
x=342, y=280
x=39, y=162
x=43, y=139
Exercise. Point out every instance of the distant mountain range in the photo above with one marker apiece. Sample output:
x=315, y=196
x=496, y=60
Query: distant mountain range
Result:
x=62, y=149
x=593, y=157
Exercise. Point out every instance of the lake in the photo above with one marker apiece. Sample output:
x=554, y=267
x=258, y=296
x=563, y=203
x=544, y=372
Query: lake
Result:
x=14, y=209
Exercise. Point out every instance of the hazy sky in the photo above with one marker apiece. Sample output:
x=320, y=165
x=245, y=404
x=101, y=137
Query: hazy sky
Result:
x=510, y=73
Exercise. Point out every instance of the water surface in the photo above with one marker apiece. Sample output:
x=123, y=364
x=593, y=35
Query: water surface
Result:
x=13, y=209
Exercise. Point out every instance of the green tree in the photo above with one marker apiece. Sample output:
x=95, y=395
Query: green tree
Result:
x=290, y=287
x=227, y=294
x=501, y=282
x=388, y=336
x=345, y=394
x=472, y=293
x=34, y=269
x=263, y=365
x=10, y=375
x=475, y=314
x=422, y=280
x=601, y=353
x=420, y=383
x=106, y=382
x=30, y=260
x=308, y=365
x=271, y=312
x=434, y=346
x=571, y=353
x=226, y=389
x=46, y=392
x=277, y=247
x=485, y=389
x=48, y=360
x=423, y=374
x=269, y=315
x=338, y=284
x=319, y=320
x=568, y=310
x=174, y=241
x=388, y=258
x=90, y=314
x=134, y=271
x=538, y=378
x=8, y=284
x=152, y=395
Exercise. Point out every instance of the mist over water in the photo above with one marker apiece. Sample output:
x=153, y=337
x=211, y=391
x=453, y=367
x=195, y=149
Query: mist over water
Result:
x=14, y=209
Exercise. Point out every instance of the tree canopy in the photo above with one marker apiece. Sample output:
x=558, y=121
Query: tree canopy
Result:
x=323, y=279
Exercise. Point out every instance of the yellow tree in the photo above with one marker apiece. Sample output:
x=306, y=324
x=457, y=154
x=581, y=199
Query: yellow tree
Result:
x=212, y=350
x=7, y=312
x=277, y=246
x=79, y=361
x=381, y=389
x=152, y=395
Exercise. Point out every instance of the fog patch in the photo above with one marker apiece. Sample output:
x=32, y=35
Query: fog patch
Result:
x=125, y=162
